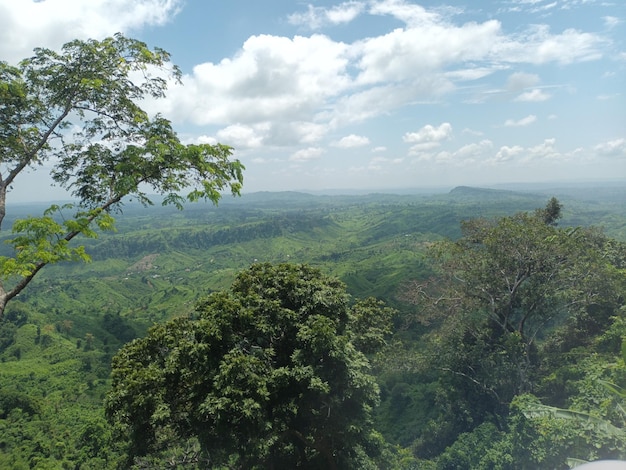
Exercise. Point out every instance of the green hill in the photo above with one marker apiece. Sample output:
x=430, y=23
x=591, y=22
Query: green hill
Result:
x=65, y=327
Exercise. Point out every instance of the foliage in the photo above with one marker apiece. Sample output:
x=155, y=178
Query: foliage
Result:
x=117, y=151
x=370, y=324
x=161, y=259
x=501, y=287
x=264, y=374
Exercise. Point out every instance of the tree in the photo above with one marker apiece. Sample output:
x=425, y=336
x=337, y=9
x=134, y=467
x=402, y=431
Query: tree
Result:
x=502, y=286
x=264, y=375
x=79, y=110
x=551, y=213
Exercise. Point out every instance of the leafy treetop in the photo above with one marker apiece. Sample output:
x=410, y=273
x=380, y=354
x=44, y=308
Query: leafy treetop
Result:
x=264, y=375
x=502, y=286
x=79, y=110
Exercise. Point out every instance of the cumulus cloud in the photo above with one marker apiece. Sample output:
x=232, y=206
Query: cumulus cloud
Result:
x=612, y=148
x=474, y=150
x=409, y=13
x=351, y=141
x=528, y=120
x=538, y=45
x=318, y=17
x=291, y=92
x=205, y=139
x=370, y=102
x=534, y=95
x=304, y=155
x=429, y=133
x=240, y=136
x=469, y=154
x=506, y=153
x=545, y=150
x=428, y=137
x=404, y=54
x=271, y=78
x=26, y=24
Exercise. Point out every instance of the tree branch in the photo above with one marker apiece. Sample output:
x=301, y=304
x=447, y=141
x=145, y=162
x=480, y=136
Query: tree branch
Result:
x=21, y=285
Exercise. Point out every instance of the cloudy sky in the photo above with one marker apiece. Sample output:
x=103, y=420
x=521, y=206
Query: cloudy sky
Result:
x=375, y=94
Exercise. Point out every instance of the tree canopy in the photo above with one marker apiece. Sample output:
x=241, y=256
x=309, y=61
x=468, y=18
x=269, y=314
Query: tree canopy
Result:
x=264, y=375
x=502, y=287
x=79, y=111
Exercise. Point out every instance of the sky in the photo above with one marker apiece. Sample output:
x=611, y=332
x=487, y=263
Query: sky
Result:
x=380, y=95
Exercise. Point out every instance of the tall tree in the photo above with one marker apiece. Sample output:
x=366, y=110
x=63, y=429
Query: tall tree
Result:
x=79, y=111
x=264, y=376
x=502, y=286
x=551, y=213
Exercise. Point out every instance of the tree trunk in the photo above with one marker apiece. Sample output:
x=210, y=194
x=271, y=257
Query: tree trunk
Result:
x=3, y=201
x=3, y=301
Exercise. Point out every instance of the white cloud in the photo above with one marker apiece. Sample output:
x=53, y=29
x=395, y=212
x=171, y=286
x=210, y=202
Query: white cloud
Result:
x=304, y=155
x=538, y=45
x=370, y=102
x=345, y=12
x=474, y=150
x=429, y=133
x=466, y=155
x=26, y=24
x=411, y=14
x=472, y=132
x=608, y=97
x=272, y=78
x=544, y=151
x=528, y=120
x=322, y=83
x=293, y=92
x=612, y=148
x=427, y=138
x=240, y=136
x=318, y=17
x=506, y=154
x=206, y=139
x=279, y=133
x=535, y=95
x=423, y=147
x=405, y=54
x=518, y=81
x=469, y=74
x=351, y=141
x=611, y=21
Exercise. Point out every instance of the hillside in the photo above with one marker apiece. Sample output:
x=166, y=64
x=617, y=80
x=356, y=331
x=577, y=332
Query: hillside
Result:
x=67, y=325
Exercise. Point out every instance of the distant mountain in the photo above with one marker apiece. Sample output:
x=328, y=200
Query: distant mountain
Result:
x=470, y=191
x=270, y=197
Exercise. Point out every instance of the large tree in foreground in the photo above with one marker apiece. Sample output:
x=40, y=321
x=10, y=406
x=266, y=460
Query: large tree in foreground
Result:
x=505, y=285
x=78, y=111
x=265, y=375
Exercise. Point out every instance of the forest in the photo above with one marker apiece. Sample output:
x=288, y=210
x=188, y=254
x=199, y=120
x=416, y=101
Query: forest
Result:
x=464, y=329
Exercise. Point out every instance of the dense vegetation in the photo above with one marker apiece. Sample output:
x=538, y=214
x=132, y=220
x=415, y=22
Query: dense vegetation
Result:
x=269, y=374
x=488, y=378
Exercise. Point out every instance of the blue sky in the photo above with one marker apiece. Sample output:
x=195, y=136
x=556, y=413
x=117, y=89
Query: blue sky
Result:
x=373, y=94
